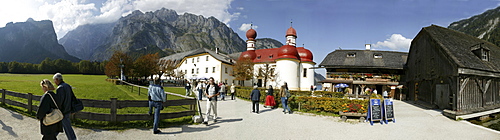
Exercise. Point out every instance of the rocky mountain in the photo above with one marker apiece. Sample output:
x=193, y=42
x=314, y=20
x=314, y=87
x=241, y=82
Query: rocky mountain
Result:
x=82, y=41
x=162, y=31
x=267, y=43
x=31, y=42
x=484, y=26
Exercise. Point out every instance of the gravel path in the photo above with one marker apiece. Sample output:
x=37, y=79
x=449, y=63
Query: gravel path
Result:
x=237, y=122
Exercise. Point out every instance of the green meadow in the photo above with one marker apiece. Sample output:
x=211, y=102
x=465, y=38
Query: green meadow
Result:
x=93, y=87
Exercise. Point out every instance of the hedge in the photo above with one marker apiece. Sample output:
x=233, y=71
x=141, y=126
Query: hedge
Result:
x=330, y=102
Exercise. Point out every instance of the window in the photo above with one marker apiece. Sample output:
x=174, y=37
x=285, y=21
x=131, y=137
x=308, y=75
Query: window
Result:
x=304, y=72
x=197, y=59
x=186, y=61
x=197, y=70
x=192, y=71
x=225, y=69
x=351, y=55
x=213, y=69
x=193, y=60
x=258, y=57
x=485, y=55
x=206, y=70
x=207, y=58
x=271, y=56
x=185, y=71
x=482, y=53
x=377, y=55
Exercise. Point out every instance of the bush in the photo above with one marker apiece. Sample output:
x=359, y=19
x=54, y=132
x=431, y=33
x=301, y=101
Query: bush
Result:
x=323, y=104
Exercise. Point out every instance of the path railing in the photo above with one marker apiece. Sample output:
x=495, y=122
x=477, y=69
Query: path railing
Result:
x=113, y=104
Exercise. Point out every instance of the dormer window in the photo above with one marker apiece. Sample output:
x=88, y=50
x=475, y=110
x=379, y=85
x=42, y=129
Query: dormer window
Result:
x=271, y=56
x=351, y=55
x=377, y=55
x=481, y=52
x=258, y=57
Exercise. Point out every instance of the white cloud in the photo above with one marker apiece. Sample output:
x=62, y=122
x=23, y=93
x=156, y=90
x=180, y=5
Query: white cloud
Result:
x=395, y=42
x=245, y=26
x=69, y=14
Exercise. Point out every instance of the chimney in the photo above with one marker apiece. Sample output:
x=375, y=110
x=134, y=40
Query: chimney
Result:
x=217, y=50
x=368, y=46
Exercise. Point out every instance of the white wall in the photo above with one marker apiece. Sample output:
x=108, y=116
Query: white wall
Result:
x=288, y=71
x=306, y=82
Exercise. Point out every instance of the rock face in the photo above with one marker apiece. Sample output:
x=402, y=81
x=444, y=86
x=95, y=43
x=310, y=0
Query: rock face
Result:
x=484, y=26
x=267, y=43
x=31, y=42
x=82, y=41
x=162, y=31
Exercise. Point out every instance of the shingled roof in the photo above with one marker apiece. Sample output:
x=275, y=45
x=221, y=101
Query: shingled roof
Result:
x=364, y=59
x=219, y=56
x=458, y=46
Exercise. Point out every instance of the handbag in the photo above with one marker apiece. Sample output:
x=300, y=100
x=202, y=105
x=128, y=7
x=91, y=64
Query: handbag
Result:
x=76, y=105
x=54, y=116
x=287, y=93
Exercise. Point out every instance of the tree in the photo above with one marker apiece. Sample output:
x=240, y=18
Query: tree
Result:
x=147, y=65
x=167, y=67
x=266, y=72
x=112, y=68
x=243, y=70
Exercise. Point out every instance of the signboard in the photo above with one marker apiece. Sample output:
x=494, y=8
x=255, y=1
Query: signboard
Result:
x=388, y=111
x=374, y=111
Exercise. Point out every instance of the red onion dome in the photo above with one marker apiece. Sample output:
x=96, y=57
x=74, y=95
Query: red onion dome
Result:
x=251, y=34
x=305, y=54
x=250, y=54
x=288, y=51
x=291, y=32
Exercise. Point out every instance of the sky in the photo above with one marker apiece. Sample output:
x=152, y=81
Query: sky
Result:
x=322, y=25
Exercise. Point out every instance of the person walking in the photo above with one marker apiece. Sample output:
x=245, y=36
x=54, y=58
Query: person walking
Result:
x=211, y=91
x=223, y=91
x=48, y=102
x=199, y=88
x=255, y=97
x=284, y=93
x=270, y=102
x=158, y=97
x=65, y=93
x=233, y=91
x=188, y=88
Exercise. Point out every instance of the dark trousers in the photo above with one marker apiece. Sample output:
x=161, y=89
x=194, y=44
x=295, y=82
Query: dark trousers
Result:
x=50, y=137
x=232, y=96
x=255, y=106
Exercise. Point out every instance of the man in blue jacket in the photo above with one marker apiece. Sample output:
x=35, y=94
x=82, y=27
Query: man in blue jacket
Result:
x=158, y=97
x=255, y=96
x=65, y=93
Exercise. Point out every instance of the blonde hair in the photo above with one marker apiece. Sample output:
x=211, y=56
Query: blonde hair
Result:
x=46, y=83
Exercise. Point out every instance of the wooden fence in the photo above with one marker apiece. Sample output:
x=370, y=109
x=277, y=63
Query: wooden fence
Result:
x=113, y=104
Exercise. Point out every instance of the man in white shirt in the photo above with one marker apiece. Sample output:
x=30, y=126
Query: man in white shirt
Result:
x=211, y=91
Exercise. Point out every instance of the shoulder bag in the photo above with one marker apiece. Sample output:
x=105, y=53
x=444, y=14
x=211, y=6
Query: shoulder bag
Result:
x=54, y=116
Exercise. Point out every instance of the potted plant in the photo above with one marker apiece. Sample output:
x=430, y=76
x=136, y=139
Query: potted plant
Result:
x=353, y=110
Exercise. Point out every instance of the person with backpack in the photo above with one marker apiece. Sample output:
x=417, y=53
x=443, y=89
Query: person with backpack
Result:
x=285, y=94
x=67, y=97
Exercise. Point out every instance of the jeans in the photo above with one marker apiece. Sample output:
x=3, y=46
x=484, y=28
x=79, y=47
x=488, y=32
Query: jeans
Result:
x=211, y=105
x=66, y=123
x=158, y=106
x=223, y=95
x=284, y=102
x=255, y=106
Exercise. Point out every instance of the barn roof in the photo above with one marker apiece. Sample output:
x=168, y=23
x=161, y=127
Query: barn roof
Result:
x=364, y=59
x=459, y=47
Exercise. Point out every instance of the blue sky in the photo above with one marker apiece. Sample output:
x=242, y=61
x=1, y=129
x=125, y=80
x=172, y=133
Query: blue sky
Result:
x=322, y=25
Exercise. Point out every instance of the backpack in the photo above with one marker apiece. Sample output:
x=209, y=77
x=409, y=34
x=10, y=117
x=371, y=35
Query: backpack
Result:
x=287, y=93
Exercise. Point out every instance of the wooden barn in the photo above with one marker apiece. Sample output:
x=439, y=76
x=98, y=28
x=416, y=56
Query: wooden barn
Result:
x=455, y=72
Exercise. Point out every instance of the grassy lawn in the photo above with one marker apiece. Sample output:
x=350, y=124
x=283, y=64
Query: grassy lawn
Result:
x=93, y=87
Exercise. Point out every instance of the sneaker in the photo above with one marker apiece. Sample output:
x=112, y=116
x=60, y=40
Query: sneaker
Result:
x=157, y=132
x=206, y=123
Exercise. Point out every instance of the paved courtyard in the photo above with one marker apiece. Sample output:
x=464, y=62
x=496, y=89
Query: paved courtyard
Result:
x=237, y=122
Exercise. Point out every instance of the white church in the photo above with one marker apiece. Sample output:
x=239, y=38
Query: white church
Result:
x=291, y=64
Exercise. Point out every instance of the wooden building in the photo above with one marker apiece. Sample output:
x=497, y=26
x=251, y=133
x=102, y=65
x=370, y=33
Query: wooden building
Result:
x=453, y=71
x=361, y=69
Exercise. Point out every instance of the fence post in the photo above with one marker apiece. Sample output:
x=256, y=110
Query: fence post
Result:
x=3, y=96
x=30, y=102
x=113, y=109
x=139, y=90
